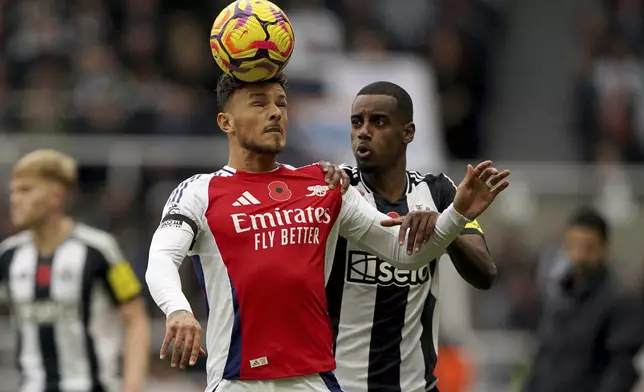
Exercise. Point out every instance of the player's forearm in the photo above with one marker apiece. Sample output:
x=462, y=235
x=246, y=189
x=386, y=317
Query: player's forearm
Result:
x=472, y=260
x=136, y=354
x=168, y=249
x=383, y=241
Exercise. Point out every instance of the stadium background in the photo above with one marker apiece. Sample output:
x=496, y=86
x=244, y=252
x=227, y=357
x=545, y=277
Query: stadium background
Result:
x=552, y=90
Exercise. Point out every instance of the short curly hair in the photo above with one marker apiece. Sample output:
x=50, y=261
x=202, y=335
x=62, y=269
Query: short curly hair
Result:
x=227, y=85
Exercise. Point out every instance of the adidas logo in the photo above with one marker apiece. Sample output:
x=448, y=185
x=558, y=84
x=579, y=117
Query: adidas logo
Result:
x=263, y=361
x=246, y=199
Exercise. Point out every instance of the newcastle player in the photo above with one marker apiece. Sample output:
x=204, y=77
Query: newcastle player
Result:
x=68, y=284
x=383, y=318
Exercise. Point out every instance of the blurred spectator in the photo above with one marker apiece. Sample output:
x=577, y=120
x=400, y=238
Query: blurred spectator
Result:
x=610, y=90
x=460, y=44
x=591, y=327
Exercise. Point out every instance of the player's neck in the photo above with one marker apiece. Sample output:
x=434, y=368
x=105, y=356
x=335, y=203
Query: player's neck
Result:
x=51, y=233
x=250, y=161
x=389, y=183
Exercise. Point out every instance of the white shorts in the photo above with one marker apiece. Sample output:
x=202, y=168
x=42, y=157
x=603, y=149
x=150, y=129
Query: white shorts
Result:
x=323, y=382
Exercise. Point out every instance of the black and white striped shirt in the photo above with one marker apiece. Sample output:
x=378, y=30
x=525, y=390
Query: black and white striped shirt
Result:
x=64, y=310
x=384, y=319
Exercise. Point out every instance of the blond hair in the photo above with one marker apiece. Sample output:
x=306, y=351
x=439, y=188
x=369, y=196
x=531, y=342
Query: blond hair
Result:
x=50, y=165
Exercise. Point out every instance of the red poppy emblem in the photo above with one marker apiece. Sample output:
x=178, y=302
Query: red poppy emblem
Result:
x=278, y=191
x=43, y=275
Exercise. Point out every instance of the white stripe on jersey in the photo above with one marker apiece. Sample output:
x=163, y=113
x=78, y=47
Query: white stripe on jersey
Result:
x=361, y=277
x=69, y=260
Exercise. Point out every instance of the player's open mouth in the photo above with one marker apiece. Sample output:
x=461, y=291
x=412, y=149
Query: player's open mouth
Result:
x=363, y=152
x=273, y=129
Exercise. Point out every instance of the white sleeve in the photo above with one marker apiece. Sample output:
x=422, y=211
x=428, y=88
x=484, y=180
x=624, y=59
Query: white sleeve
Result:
x=360, y=223
x=168, y=249
x=181, y=223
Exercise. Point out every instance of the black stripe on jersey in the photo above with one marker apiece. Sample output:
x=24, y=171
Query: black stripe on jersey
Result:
x=46, y=333
x=335, y=287
x=388, y=321
x=93, y=264
x=6, y=258
x=427, y=337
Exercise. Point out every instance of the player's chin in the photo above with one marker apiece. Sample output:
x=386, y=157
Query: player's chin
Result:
x=277, y=142
x=274, y=147
x=365, y=165
x=19, y=221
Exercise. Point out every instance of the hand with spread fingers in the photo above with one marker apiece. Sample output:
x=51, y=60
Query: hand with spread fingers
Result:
x=335, y=176
x=481, y=185
x=182, y=328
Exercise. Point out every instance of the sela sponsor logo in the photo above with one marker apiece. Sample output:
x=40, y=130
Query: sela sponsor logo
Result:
x=47, y=312
x=271, y=228
x=365, y=268
x=317, y=190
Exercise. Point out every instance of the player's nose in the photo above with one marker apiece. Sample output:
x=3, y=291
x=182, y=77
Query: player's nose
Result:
x=364, y=133
x=275, y=113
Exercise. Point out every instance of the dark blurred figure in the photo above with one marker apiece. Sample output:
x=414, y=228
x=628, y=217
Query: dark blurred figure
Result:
x=591, y=328
x=462, y=82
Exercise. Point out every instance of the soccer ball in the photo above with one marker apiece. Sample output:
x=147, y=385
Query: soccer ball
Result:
x=252, y=40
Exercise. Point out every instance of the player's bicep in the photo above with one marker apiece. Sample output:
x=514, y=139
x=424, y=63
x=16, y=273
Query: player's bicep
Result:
x=172, y=243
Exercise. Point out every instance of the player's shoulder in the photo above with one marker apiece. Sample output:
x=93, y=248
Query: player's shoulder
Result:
x=99, y=240
x=15, y=241
x=440, y=181
x=352, y=172
x=312, y=171
x=201, y=179
x=197, y=185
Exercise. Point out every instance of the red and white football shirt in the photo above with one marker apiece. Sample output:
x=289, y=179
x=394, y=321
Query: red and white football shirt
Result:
x=263, y=244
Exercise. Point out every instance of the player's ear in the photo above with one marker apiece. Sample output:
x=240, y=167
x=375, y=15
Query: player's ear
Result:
x=408, y=133
x=225, y=122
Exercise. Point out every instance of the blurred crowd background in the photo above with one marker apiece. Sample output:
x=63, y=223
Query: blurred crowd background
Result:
x=552, y=90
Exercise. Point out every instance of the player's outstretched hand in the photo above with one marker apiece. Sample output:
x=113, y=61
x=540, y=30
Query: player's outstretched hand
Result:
x=420, y=225
x=182, y=327
x=335, y=176
x=481, y=185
